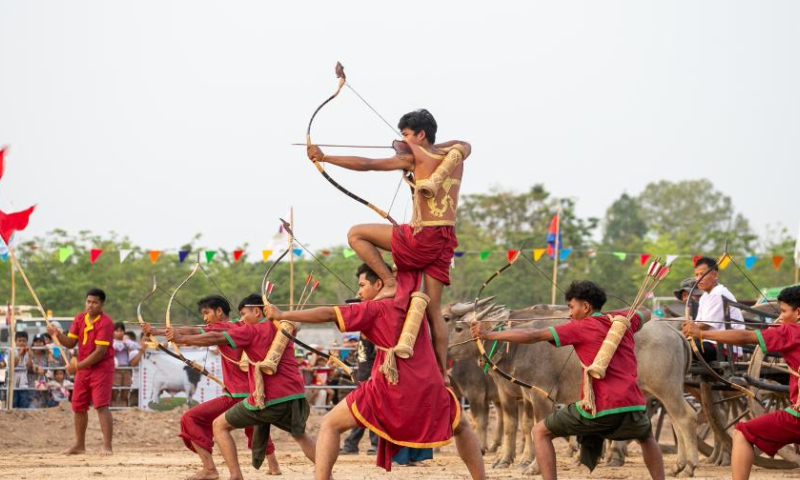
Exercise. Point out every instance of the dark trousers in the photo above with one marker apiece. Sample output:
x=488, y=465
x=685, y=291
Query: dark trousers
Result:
x=353, y=439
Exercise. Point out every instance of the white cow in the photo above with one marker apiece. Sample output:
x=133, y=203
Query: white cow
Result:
x=173, y=377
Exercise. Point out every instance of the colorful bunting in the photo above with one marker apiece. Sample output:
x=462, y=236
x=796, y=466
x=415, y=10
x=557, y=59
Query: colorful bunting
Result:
x=64, y=253
x=537, y=253
x=348, y=252
x=325, y=253
x=458, y=254
x=13, y=222
x=510, y=254
x=750, y=261
x=671, y=259
x=94, y=254
x=298, y=252
x=620, y=255
x=265, y=255
x=154, y=254
x=724, y=261
x=564, y=254
x=776, y=261
x=237, y=254
x=484, y=254
x=182, y=255
x=210, y=255
x=695, y=259
x=643, y=258
x=123, y=254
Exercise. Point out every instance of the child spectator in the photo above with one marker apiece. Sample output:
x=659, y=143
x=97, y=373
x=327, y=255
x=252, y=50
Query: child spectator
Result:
x=39, y=361
x=22, y=396
x=123, y=347
x=59, y=388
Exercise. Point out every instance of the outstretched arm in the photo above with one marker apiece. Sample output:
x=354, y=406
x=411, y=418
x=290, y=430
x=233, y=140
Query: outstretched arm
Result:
x=402, y=161
x=466, y=146
x=733, y=337
x=515, y=335
x=312, y=315
x=202, y=340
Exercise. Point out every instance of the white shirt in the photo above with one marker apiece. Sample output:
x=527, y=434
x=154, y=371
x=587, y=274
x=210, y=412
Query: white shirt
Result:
x=711, y=311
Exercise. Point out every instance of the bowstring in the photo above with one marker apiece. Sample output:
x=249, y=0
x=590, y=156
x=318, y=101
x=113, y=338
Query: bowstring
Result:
x=294, y=239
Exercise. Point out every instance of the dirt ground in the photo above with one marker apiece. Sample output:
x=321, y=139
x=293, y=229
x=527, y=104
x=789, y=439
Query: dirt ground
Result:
x=146, y=447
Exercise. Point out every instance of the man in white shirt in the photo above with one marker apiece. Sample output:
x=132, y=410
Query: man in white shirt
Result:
x=711, y=311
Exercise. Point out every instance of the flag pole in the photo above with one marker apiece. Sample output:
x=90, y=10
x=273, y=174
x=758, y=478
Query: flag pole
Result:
x=556, y=255
x=11, y=340
x=291, y=257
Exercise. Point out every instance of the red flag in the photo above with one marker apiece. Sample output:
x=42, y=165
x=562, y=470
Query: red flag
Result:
x=94, y=254
x=552, y=232
x=2, y=160
x=237, y=254
x=511, y=254
x=13, y=222
x=776, y=261
x=644, y=258
x=695, y=259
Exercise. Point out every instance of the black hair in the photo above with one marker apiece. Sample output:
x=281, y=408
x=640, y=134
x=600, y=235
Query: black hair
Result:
x=119, y=326
x=21, y=334
x=252, y=299
x=47, y=336
x=96, y=292
x=369, y=273
x=587, y=291
x=790, y=296
x=131, y=334
x=419, y=120
x=214, y=302
x=708, y=262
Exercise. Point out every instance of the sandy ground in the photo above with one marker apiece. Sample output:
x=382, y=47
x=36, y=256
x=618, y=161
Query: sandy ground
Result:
x=146, y=447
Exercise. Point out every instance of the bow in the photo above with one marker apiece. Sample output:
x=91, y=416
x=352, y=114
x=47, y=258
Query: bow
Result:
x=482, y=348
x=150, y=337
x=200, y=368
x=342, y=82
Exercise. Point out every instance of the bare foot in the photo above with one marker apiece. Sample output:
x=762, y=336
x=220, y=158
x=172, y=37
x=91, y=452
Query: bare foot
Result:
x=389, y=290
x=105, y=452
x=74, y=450
x=274, y=467
x=205, y=474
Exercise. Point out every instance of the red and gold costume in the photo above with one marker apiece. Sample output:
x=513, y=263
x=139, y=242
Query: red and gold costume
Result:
x=93, y=384
x=197, y=422
x=416, y=412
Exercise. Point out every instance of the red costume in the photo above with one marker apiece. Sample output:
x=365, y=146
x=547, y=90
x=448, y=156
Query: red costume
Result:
x=418, y=411
x=197, y=422
x=772, y=431
x=431, y=250
x=93, y=384
x=618, y=391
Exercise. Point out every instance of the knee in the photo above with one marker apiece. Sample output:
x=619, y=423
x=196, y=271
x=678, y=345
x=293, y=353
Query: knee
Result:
x=354, y=234
x=540, y=431
x=220, y=424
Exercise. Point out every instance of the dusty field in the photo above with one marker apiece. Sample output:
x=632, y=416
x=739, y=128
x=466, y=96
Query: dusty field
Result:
x=146, y=448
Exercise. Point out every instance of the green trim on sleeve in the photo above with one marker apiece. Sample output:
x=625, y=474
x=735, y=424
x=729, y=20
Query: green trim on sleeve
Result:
x=610, y=411
x=791, y=411
x=555, y=336
x=230, y=340
x=761, y=342
x=202, y=330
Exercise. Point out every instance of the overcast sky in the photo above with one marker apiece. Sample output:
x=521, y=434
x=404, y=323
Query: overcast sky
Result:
x=161, y=119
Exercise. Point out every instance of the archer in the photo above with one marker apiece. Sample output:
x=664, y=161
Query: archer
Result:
x=428, y=243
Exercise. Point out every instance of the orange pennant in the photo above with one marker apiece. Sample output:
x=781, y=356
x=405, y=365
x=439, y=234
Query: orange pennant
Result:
x=776, y=261
x=154, y=254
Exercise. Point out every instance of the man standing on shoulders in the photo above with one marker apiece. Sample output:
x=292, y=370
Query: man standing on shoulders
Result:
x=92, y=331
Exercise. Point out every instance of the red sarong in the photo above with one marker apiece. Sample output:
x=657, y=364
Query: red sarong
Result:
x=197, y=424
x=418, y=411
x=772, y=431
x=431, y=250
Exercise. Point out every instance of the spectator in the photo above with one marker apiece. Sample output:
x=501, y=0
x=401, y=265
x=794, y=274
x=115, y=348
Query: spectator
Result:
x=711, y=311
x=59, y=387
x=319, y=378
x=303, y=365
x=22, y=396
x=58, y=360
x=682, y=294
x=135, y=358
x=39, y=361
x=122, y=373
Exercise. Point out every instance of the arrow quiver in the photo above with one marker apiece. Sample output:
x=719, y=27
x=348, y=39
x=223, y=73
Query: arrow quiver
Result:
x=408, y=337
x=619, y=325
x=270, y=363
x=428, y=187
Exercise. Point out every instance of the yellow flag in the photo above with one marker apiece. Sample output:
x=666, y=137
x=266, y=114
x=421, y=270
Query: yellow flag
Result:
x=537, y=253
x=265, y=254
x=724, y=261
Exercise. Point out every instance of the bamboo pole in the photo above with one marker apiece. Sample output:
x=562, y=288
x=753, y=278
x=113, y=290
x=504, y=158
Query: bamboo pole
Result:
x=12, y=347
x=291, y=257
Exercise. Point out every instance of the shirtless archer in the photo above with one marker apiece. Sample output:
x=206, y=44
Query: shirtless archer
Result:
x=428, y=242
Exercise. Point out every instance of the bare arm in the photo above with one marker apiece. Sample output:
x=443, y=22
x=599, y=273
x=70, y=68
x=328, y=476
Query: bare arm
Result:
x=312, y=315
x=515, y=335
x=363, y=164
x=466, y=146
x=733, y=337
x=94, y=357
x=185, y=330
x=203, y=340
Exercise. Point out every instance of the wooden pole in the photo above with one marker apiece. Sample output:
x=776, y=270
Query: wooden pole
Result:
x=556, y=255
x=291, y=257
x=12, y=347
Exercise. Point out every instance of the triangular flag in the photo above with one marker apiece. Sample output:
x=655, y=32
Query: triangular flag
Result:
x=347, y=253
x=325, y=253
x=94, y=254
x=537, y=253
x=123, y=254
x=643, y=258
x=776, y=261
x=620, y=255
x=484, y=254
x=4, y=256
x=265, y=255
x=591, y=253
x=750, y=261
x=13, y=222
x=210, y=255
x=724, y=261
x=237, y=254
x=64, y=253
x=671, y=258
x=695, y=259
x=182, y=254
x=566, y=252
x=298, y=252
x=511, y=254
x=154, y=254
x=458, y=254
x=2, y=159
